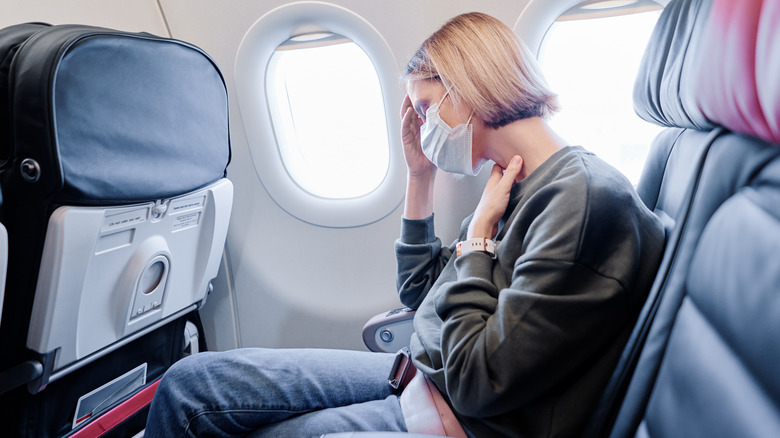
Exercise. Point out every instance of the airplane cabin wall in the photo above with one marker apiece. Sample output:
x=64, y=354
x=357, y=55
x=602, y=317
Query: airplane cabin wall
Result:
x=132, y=16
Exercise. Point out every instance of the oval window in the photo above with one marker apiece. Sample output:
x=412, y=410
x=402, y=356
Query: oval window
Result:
x=318, y=111
x=328, y=115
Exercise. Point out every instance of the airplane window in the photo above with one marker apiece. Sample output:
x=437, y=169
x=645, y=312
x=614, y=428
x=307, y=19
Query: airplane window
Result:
x=328, y=115
x=590, y=58
x=319, y=113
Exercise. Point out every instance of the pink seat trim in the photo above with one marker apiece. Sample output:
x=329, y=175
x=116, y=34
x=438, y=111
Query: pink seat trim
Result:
x=737, y=73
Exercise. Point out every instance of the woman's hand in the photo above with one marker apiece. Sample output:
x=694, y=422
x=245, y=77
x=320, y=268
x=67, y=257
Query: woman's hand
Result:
x=417, y=162
x=418, y=203
x=495, y=199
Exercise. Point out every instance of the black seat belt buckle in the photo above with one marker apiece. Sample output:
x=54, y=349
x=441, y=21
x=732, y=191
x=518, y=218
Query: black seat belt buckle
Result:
x=403, y=370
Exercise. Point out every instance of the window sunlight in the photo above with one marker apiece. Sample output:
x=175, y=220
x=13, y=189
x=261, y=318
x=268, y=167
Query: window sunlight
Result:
x=591, y=64
x=329, y=120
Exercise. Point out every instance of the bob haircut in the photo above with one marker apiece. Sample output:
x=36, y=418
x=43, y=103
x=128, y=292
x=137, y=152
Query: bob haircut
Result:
x=486, y=67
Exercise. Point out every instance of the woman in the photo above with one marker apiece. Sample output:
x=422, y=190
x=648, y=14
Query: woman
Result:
x=520, y=335
x=519, y=323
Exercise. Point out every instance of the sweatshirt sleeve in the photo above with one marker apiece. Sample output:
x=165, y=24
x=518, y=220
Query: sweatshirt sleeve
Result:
x=507, y=341
x=420, y=259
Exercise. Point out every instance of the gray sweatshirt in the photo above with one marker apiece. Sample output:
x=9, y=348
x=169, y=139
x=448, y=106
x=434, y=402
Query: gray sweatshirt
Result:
x=522, y=345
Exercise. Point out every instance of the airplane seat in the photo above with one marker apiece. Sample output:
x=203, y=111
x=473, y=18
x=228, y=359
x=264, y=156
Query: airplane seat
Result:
x=114, y=154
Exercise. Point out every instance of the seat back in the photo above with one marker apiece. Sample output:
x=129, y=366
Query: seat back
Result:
x=117, y=206
x=694, y=364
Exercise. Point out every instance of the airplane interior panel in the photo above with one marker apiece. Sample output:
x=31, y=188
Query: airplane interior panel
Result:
x=141, y=15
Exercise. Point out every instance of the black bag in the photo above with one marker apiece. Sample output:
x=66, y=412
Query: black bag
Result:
x=93, y=117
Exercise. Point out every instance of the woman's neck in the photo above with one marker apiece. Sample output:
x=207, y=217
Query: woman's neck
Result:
x=530, y=138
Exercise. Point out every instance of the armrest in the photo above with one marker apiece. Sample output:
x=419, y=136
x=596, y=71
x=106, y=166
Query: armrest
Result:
x=389, y=332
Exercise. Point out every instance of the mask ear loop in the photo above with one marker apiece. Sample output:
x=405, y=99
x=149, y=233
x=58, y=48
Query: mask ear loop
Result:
x=445, y=96
x=438, y=105
x=446, y=93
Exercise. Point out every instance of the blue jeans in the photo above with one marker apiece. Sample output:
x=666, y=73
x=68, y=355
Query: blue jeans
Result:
x=275, y=393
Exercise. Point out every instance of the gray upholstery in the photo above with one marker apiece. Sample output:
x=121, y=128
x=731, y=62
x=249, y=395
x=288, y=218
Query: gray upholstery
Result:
x=664, y=92
x=720, y=180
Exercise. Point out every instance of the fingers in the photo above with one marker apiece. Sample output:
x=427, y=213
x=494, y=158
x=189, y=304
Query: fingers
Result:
x=410, y=129
x=504, y=178
x=408, y=117
x=496, y=174
x=405, y=119
x=495, y=199
x=405, y=106
x=512, y=171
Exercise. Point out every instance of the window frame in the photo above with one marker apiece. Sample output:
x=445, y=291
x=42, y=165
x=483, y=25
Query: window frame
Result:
x=252, y=60
x=538, y=16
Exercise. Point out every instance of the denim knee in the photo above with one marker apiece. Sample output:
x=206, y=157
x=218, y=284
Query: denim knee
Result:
x=183, y=382
x=176, y=397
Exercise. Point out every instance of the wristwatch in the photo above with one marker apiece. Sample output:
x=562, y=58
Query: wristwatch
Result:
x=481, y=244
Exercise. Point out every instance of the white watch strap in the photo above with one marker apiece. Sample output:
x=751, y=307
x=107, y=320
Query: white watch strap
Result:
x=481, y=244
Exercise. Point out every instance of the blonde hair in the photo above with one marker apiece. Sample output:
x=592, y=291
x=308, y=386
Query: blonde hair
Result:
x=486, y=67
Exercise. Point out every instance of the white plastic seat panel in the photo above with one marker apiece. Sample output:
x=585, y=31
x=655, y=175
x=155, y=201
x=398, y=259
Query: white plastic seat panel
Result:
x=108, y=272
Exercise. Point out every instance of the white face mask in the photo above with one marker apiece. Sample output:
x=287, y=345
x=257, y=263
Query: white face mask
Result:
x=449, y=149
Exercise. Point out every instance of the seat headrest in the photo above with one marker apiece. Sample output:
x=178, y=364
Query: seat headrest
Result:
x=711, y=63
x=663, y=91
